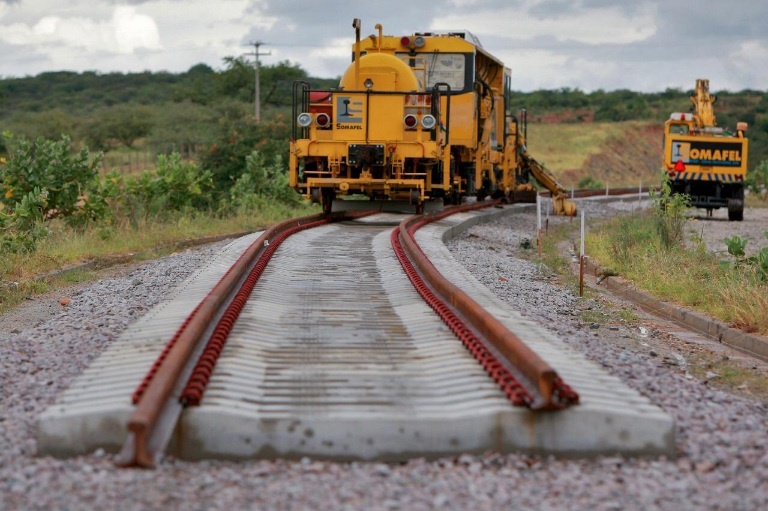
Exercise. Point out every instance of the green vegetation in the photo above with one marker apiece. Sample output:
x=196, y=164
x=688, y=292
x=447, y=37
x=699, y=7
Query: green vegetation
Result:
x=757, y=180
x=576, y=107
x=115, y=163
x=650, y=250
x=57, y=209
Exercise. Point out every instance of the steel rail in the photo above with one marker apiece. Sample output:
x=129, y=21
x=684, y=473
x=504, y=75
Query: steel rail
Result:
x=158, y=397
x=523, y=375
x=593, y=192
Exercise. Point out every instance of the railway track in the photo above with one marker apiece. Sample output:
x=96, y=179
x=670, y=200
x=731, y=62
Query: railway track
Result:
x=329, y=351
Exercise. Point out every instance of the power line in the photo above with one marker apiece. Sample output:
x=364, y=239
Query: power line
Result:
x=257, y=94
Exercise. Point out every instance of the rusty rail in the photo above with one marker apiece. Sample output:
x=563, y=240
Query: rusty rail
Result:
x=524, y=376
x=593, y=192
x=158, y=397
x=175, y=378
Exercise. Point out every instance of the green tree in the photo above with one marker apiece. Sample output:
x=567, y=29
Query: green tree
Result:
x=198, y=85
x=277, y=82
x=225, y=158
x=111, y=127
x=237, y=79
x=183, y=127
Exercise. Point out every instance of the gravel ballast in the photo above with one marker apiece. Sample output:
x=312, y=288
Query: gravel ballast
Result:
x=722, y=442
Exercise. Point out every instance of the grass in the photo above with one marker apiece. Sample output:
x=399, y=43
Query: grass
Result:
x=699, y=285
x=20, y=275
x=753, y=201
x=561, y=147
x=691, y=277
x=726, y=373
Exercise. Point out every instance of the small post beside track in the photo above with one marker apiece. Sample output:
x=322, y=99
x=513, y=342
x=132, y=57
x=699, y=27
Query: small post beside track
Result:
x=538, y=222
x=581, y=258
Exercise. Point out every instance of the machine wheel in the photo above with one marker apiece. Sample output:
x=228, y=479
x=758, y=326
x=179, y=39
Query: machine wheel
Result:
x=328, y=196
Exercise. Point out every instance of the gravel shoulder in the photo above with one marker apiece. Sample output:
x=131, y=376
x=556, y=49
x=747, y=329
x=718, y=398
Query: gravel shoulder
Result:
x=722, y=449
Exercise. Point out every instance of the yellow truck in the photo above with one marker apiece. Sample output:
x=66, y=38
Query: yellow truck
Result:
x=703, y=160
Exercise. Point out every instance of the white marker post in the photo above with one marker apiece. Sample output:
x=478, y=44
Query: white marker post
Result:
x=572, y=199
x=538, y=220
x=581, y=258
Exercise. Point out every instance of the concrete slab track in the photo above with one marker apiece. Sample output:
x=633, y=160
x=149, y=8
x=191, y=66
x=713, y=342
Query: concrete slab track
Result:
x=364, y=370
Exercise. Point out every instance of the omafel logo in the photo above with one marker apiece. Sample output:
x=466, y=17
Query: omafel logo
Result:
x=348, y=110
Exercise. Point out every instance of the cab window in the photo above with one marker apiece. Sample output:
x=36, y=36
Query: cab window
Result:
x=455, y=69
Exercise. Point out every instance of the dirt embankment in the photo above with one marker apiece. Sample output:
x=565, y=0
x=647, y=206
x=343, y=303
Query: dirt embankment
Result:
x=624, y=160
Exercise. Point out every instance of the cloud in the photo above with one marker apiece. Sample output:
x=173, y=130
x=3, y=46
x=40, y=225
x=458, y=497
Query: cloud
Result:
x=589, y=44
x=124, y=33
x=133, y=30
x=588, y=25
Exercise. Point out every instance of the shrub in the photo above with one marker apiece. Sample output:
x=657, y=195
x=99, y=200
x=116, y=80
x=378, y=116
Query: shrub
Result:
x=590, y=183
x=226, y=157
x=174, y=186
x=23, y=227
x=669, y=214
x=260, y=184
x=758, y=262
x=757, y=180
x=48, y=165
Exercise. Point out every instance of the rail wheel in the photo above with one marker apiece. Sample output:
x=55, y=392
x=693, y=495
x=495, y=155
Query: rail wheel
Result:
x=328, y=196
x=415, y=200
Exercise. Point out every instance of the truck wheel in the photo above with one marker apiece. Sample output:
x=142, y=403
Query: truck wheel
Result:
x=735, y=210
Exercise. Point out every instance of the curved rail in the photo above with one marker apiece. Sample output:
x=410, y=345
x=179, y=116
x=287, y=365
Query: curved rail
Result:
x=591, y=192
x=179, y=375
x=523, y=376
x=159, y=397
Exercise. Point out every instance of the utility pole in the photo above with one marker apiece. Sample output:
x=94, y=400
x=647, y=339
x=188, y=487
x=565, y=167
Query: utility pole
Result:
x=257, y=94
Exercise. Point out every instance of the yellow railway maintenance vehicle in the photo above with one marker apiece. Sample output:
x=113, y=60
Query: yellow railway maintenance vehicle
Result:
x=414, y=118
x=704, y=161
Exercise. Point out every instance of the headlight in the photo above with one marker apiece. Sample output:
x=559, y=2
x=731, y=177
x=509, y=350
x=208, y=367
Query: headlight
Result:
x=428, y=122
x=304, y=119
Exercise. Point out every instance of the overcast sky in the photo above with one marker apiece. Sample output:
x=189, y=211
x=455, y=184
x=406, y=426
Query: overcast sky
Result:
x=642, y=45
